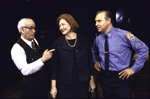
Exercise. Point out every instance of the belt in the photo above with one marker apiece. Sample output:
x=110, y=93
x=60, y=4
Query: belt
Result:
x=112, y=74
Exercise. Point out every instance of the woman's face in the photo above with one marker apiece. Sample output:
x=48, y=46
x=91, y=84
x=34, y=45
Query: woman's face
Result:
x=64, y=27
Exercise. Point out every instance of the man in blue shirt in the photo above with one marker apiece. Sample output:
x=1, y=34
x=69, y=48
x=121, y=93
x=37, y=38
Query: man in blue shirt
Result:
x=120, y=43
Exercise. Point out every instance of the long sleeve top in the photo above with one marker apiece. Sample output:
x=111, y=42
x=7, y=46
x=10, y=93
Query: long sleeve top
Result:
x=120, y=43
x=18, y=56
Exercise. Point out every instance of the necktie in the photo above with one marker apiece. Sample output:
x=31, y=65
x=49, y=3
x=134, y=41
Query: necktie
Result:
x=106, y=56
x=33, y=45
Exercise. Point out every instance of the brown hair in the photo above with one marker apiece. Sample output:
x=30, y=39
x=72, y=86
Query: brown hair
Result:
x=73, y=23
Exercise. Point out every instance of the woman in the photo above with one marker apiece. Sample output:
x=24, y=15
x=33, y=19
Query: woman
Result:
x=72, y=66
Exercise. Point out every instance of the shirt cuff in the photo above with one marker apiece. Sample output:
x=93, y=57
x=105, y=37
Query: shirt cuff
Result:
x=33, y=67
x=136, y=68
x=38, y=64
x=40, y=61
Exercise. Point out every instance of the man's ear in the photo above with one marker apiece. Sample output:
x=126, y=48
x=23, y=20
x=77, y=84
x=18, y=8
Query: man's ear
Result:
x=109, y=20
x=22, y=30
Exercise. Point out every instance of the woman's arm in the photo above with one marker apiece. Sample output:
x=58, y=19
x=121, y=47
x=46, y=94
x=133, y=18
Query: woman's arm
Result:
x=53, y=90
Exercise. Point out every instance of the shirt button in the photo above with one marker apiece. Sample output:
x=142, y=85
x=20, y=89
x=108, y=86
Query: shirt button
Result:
x=80, y=73
x=76, y=50
x=78, y=61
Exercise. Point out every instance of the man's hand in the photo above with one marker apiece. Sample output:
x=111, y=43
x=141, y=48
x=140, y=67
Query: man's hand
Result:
x=97, y=66
x=126, y=73
x=47, y=55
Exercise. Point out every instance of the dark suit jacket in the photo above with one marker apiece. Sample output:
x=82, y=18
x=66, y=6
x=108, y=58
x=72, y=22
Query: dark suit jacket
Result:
x=62, y=60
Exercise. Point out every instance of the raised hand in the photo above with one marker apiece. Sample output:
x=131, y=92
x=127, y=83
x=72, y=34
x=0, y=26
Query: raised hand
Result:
x=47, y=55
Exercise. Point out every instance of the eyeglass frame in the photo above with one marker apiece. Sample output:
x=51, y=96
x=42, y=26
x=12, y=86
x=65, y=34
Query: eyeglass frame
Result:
x=30, y=28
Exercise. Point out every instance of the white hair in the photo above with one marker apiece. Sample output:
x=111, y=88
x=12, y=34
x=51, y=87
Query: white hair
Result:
x=21, y=23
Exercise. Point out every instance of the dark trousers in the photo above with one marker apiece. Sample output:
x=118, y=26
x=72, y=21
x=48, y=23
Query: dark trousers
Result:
x=34, y=89
x=115, y=87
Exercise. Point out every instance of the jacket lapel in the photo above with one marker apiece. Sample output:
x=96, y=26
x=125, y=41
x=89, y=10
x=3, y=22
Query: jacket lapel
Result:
x=64, y=44
x=80, y=41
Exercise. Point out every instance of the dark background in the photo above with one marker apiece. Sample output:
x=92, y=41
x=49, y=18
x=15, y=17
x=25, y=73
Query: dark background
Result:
x=45, y=13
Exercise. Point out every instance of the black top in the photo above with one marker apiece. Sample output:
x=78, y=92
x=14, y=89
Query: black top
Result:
x=75, y=80
x=77, y=89
x=71, y=61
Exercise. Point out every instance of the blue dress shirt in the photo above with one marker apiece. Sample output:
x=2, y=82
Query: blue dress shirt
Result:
x=120, y=43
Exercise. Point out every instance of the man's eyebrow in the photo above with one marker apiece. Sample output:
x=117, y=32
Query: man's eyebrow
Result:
x=98, y=20
x=31, y=27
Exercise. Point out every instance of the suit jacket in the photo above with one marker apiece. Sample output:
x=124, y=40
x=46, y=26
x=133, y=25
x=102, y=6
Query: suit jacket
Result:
x=62, y=61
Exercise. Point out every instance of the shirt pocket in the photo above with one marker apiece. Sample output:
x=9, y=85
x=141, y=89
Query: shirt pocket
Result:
x=101, y=48
x=119, y=48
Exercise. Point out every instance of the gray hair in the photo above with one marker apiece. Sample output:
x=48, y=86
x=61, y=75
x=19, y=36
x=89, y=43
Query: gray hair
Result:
x=21, y=23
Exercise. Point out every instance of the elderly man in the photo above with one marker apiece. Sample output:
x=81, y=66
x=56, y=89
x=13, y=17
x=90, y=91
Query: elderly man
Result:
x=112, y=55
x=28, y=58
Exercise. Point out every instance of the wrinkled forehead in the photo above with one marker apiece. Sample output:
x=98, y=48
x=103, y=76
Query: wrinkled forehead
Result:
x=29, y=23
x=100, y=16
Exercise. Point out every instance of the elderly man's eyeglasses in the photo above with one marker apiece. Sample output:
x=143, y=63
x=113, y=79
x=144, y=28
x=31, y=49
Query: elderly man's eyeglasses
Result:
x=30, y=28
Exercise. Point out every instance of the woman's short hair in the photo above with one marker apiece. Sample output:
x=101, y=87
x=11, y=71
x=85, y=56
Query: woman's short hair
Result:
x=73, y=23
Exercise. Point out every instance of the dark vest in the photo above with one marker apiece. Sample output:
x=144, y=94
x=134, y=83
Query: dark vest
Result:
x=31, y=57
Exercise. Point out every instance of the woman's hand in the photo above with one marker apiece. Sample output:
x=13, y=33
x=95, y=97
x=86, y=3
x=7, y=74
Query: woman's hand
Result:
x=53, y=92
x=92, y=84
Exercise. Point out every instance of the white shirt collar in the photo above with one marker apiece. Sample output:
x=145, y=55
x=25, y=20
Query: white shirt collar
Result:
x=27, y=41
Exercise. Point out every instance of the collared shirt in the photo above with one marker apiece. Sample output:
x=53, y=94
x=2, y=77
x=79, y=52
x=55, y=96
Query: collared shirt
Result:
x=120, y=43
x=18, y=55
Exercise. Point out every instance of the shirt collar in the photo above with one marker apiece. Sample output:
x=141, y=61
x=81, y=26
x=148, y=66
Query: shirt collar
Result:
x=109, y=34
x=27, y=41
